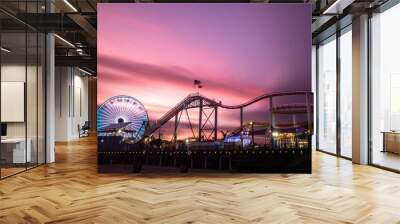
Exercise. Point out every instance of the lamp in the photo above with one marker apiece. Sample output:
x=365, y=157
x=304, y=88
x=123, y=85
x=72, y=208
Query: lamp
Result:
x=5, y=50
x=70, y=5
x=64, y=40
x=84, y=71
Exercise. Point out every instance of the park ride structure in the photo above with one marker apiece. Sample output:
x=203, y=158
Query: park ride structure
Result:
x=138, y=150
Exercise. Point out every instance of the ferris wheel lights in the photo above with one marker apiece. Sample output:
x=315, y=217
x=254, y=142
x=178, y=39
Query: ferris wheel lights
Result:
x=124, y=116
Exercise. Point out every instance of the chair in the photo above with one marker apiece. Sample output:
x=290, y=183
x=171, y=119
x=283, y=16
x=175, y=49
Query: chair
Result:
x=84, y=130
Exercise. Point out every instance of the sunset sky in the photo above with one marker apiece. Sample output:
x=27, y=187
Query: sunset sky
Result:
x=153, y=52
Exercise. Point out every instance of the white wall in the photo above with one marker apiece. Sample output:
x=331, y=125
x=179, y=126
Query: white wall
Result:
x=80, y=112
x=12, y=73
x=62, y=82
x=16, y=73
x=33, y=127
x=71, y=102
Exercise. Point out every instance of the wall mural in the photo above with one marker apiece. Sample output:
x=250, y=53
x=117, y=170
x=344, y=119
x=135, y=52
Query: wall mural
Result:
x=204, y=87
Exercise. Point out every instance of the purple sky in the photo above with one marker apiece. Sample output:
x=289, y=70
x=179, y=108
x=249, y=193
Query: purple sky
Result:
x=154, y=51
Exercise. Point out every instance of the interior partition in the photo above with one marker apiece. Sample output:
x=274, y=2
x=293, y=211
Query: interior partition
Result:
x=22, y=100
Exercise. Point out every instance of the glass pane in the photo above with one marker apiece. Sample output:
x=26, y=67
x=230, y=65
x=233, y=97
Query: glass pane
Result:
x=14, y=153
x=31, y=97
x=327, y=96
x=314, y=90
x=23, y=90
x=41, y=98
x=346, y=94
x=32, y=84
x=385, y=86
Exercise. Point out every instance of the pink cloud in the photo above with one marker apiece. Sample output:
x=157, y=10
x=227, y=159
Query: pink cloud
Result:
x=239, y=52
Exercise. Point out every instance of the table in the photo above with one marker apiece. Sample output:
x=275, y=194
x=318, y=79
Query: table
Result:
x=13, y=150
x=391, y=141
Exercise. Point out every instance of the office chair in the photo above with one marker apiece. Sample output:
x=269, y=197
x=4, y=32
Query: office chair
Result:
x=84, y=130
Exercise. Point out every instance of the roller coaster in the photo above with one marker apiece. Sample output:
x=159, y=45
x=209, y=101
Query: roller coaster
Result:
x=275, y=155
x=198, y=101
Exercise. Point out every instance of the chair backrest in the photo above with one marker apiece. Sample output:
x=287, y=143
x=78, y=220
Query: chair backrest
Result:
x=86, y=125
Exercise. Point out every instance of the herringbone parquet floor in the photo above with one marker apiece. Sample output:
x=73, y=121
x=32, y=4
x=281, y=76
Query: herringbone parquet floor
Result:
x=71, y=191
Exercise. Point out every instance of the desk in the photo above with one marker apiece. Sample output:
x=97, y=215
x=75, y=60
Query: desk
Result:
x=13, y=150
x=391, y=141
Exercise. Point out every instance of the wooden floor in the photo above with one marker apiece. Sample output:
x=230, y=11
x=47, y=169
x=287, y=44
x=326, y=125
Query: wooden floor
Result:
x=71, y=191
x=5, y=172
x=387, y=159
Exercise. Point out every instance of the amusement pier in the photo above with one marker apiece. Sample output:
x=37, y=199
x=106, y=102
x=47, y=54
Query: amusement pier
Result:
x=128, y=141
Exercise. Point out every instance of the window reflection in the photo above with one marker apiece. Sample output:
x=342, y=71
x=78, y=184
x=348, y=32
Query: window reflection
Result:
x=327, y=96
x=385, y=88
x=346, y=94
x=22, y=92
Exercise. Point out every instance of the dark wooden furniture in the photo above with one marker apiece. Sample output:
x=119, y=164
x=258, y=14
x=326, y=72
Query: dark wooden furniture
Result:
x=391, y=141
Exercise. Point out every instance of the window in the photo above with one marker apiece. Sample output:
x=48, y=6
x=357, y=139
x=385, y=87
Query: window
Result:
x=327, y=95
x=346, y=93
x=385, y=88
x=314, y=90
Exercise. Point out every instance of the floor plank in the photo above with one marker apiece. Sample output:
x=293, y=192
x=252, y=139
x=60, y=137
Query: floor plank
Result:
x=71, y=191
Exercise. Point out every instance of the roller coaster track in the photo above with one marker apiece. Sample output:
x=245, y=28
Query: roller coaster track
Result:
x=195, y=100
x=265, y=96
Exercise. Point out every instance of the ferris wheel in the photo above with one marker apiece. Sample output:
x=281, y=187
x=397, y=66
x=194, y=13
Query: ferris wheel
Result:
x=126, y=112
